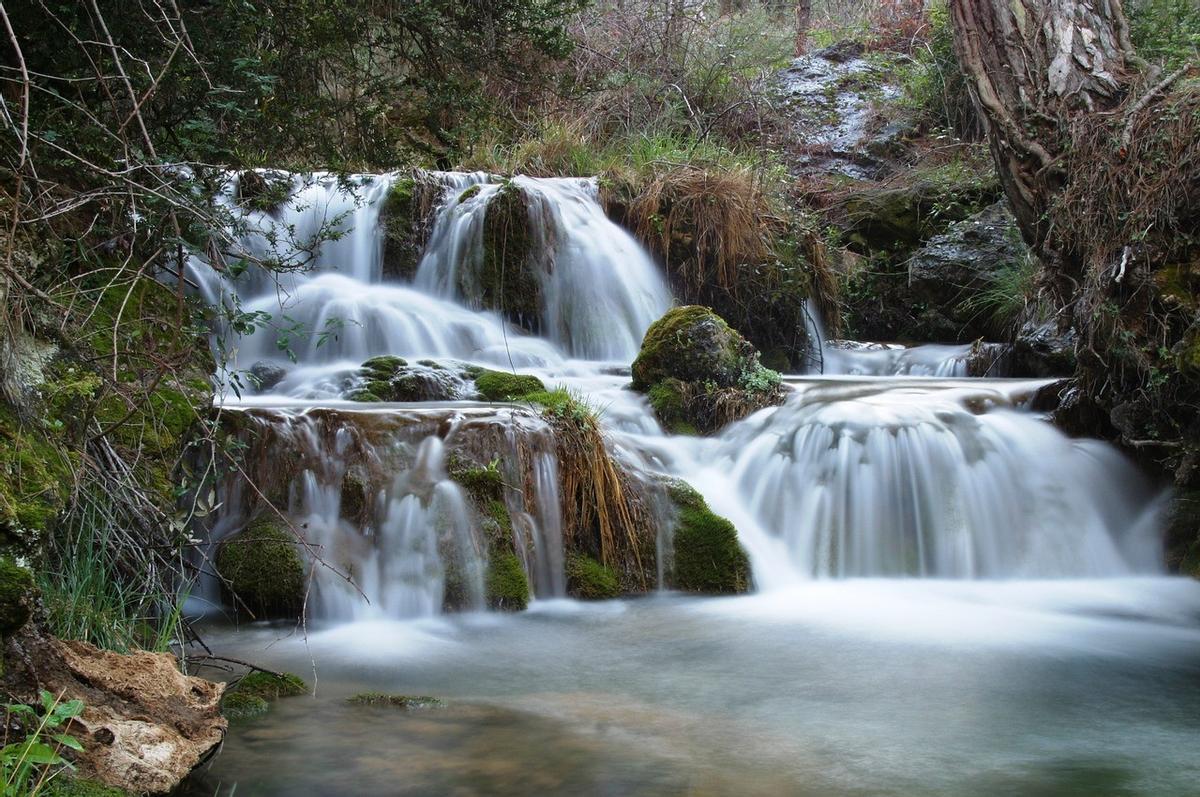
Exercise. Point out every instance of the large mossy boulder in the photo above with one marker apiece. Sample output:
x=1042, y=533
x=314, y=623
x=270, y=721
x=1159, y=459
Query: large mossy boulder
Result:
x=507, y=279
x=405, y=220
x=700, y=374
x=505, y=386
x=261, y=569
x=707, y=556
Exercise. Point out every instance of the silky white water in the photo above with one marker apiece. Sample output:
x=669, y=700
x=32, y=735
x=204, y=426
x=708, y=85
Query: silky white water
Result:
x=951, y=596
x=852, y=477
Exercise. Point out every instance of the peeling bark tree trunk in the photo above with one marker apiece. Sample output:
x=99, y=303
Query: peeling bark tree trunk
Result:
x=803, y=21
x=1033, y=65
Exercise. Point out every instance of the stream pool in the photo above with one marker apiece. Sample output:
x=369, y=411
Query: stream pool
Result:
x=856, y=687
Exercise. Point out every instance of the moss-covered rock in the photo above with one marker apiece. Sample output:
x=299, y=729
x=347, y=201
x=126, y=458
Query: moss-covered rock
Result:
x=506, y=584
x=383, y=367
x=404, y=220
x=507, y=280
x=17, y=597
x=504, y=386
x=707, y=556
x=390, y=378
x=269, y=686
x=403, y=702
x=700, y=374
x=239, y=706
x=589, y=580
x=262, y=567
x=691, y=344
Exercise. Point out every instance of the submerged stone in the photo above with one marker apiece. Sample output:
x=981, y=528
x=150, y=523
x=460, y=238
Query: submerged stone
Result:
x=239, y=706
x=403, y=702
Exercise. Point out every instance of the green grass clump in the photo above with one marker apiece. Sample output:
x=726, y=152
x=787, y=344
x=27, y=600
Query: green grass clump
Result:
x=63, y=785
x=589, y=580
x=405, y=702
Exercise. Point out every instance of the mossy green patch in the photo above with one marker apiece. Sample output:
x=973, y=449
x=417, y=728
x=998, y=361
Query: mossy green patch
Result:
x=383, y=367
x=504, y=386
x=507, y=279
x=404, y=702
x=269, y=686
x=668, y=399
x=239, y=706
x=17, y=596
x=262, y=567
x=708, y=558
x=484, y=484
x=64, y=785
x=34, y=479
x=506, y=585
x=587, y=579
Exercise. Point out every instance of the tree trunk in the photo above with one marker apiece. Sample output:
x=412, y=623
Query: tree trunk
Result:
x=1033, y=65
x=803, y=20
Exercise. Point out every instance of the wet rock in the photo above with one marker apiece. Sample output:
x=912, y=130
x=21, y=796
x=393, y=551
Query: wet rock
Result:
x=959, y=264
x=707, y=556
x=405, y=221
x=262, y=568
x=265, y=375
x=1183, y=533
x=1043, y=350
x=144, y=724
x=393, y=379
x=700, y=374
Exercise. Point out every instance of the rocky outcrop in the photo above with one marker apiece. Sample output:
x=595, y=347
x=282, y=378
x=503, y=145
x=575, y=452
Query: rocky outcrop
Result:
x=700, y=374
x=144, y=725
x=947, y=274
x=1042, y=349
x=261, y=569
x=394, y=379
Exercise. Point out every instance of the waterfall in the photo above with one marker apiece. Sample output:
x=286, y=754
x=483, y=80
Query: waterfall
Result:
x=892, y=464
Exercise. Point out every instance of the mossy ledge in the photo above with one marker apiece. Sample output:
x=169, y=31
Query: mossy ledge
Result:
x=708, y=558
x=261, y=566
x=589, y=580
x=699, y=374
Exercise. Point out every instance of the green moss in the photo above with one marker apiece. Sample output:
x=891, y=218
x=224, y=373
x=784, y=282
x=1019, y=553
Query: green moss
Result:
x=473, y=191
x=668, y=399
x=700, y=374
x=384, y=367
x=240, y=706
x=506, y=585
x=271, y=687
x=16, y=597
x=708, y=558
x=405, y=702
x=63, y=785
x=587, y=579
x=353, y=497
x=504, y=386
x=403, y=229
x=690, y=343
x=35, y=477
x=484, y=484
x=263, y=569
x=507, y=280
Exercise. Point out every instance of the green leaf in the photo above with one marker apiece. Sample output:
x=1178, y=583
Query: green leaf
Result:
x=40, y=753
x=67, y=740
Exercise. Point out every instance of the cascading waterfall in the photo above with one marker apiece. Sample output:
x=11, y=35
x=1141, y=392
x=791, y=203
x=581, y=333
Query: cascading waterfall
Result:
x=941, y=477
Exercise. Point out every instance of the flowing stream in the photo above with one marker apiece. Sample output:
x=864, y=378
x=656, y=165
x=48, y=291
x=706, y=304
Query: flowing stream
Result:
x=951, y=596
